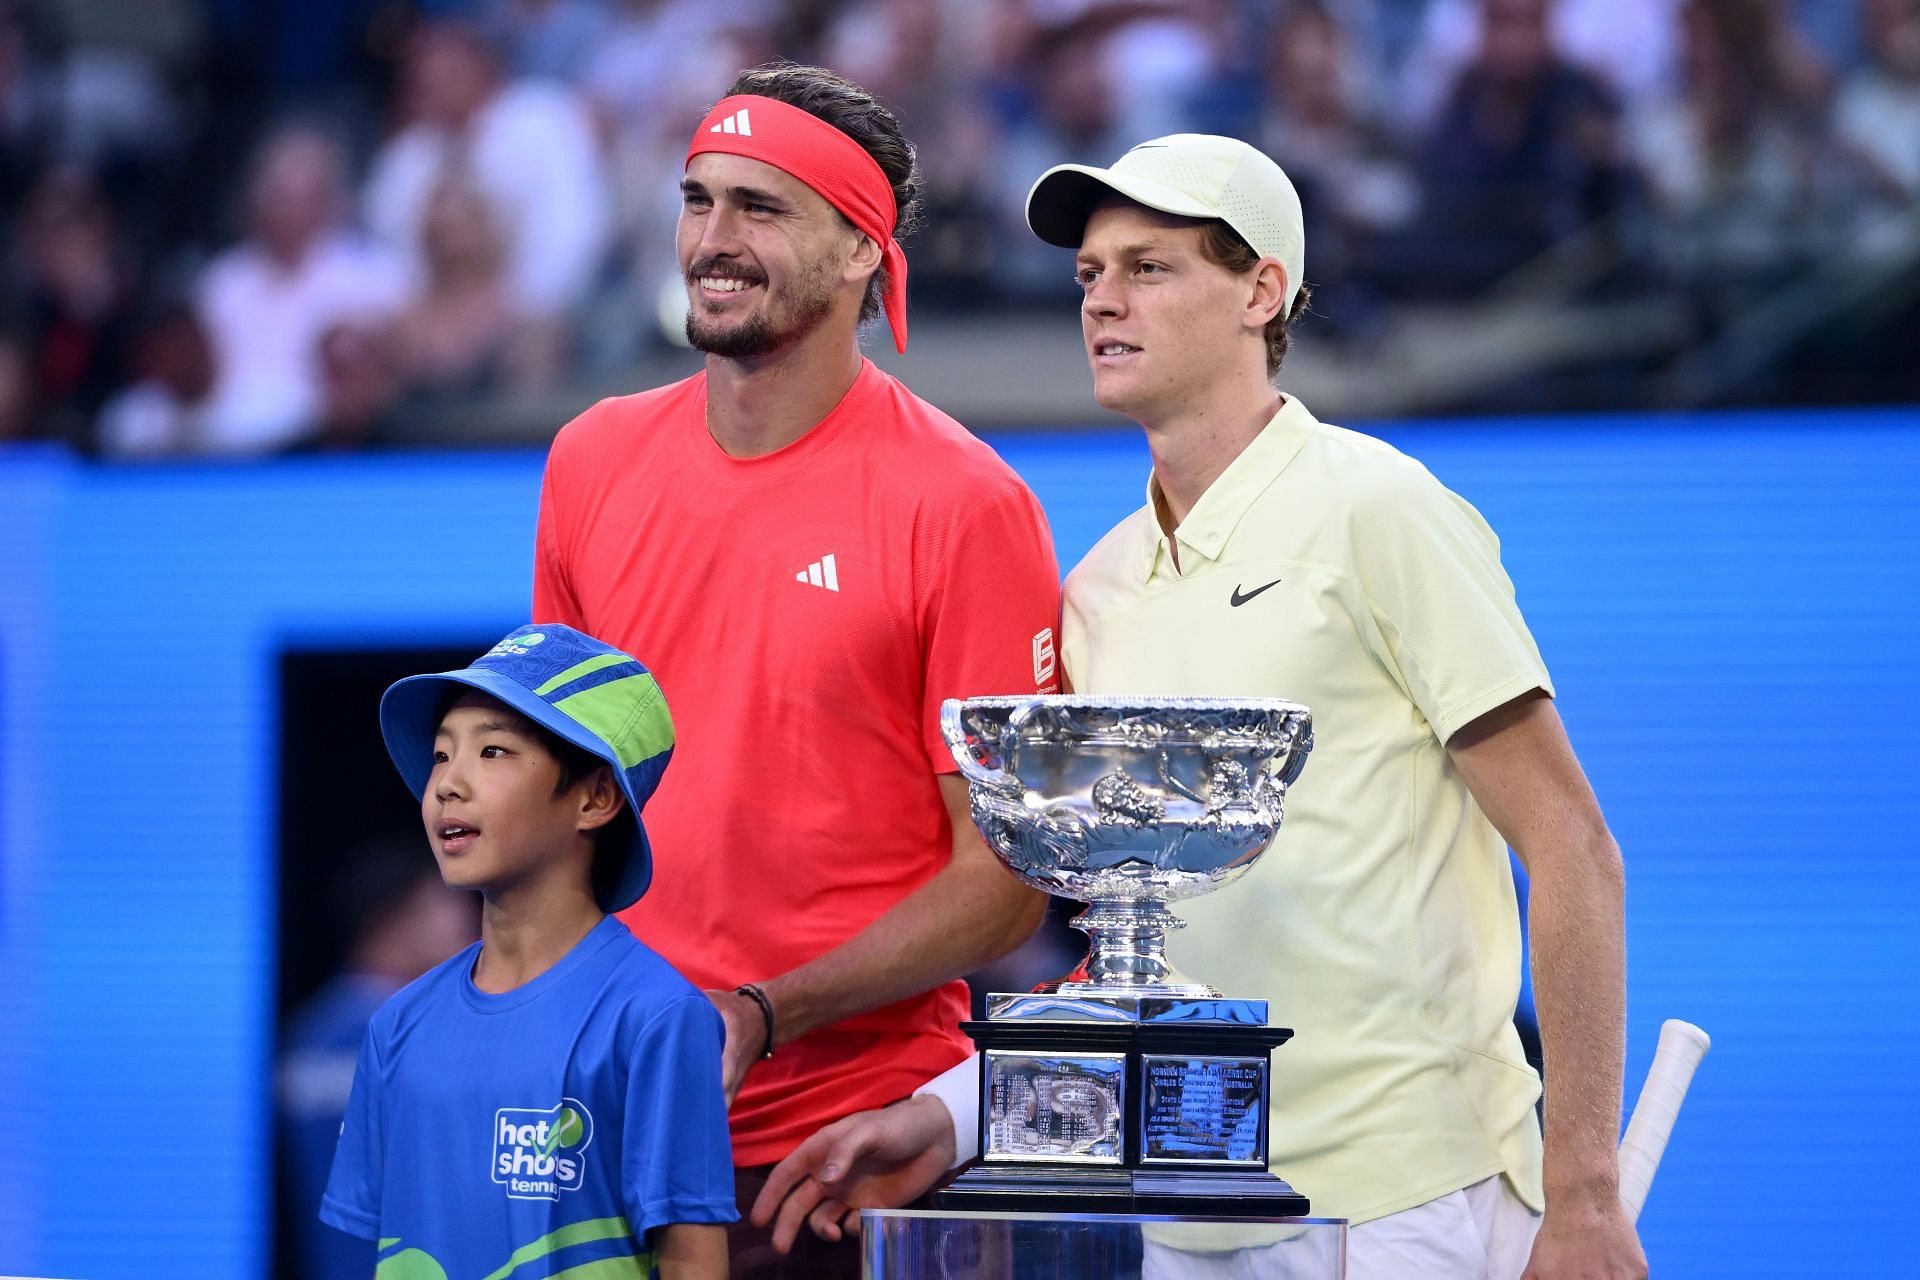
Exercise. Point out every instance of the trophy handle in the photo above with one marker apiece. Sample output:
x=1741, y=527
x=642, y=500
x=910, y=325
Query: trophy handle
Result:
x=954, y=730
x=1284, y=766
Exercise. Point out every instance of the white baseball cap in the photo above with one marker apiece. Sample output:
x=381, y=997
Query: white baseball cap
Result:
x=1190, y=175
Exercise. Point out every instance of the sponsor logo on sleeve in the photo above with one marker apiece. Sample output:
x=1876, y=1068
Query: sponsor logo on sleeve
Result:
x=1043, y=663
x=538, y=1152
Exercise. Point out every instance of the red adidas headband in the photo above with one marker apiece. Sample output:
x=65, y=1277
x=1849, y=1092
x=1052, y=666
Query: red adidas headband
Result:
x=827, y=160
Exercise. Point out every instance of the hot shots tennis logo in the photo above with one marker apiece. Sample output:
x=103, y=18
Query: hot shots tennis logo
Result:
x=520, y=644
x=537, y=1153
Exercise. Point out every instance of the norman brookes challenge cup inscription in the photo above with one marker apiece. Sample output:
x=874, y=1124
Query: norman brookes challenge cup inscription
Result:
x=1201, y=1109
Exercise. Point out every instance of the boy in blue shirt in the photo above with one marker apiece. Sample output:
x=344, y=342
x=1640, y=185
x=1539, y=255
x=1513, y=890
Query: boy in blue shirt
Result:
x=550, y=1098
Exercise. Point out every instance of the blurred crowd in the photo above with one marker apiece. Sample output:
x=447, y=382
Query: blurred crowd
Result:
x=252, y=226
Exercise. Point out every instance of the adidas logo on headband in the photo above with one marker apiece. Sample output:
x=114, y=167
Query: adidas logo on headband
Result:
x=735, y=123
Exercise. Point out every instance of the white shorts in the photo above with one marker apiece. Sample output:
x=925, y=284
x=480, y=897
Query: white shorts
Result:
x=1482, y=1232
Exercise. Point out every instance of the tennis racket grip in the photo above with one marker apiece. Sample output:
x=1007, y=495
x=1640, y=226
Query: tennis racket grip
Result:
x=1681, y=1047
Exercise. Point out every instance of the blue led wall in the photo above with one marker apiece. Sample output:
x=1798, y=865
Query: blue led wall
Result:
x=1729, y=605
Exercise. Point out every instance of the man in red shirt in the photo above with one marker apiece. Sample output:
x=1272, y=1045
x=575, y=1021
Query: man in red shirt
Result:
x=811, y=559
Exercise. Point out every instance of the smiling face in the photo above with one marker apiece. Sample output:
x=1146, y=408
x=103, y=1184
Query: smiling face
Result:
x=766, y=259
x=496, y=815
x=1164, y=325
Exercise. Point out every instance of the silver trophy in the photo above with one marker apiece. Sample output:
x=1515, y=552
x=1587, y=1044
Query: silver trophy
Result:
x=1126, y=1086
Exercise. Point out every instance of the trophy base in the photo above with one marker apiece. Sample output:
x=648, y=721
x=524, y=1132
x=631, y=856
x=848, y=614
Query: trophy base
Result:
x=1183, y=1193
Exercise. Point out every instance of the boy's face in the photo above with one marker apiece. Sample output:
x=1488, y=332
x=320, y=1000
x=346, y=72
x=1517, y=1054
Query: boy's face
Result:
x=491, y=810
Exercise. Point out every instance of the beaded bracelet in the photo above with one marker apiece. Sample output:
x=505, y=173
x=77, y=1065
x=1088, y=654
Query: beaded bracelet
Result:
x=759, y=997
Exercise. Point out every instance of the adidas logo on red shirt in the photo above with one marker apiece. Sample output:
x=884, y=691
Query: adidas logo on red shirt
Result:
x=821, y=573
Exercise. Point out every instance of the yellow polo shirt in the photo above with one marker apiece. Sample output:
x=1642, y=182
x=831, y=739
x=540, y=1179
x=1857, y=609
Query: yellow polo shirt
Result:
x=1327, y=567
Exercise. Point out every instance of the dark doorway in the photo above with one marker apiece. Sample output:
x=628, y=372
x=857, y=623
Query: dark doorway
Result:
x=354, y=868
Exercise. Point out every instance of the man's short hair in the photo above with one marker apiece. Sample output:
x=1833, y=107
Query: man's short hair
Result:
x=858, y=114
x=1222, y=245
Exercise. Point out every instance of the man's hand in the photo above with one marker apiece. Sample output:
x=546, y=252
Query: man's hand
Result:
x=1586, y=1242
x=746, y=1037
x=870, y=1160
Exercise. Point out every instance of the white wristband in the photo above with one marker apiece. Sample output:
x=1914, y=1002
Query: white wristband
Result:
x=958, y=1089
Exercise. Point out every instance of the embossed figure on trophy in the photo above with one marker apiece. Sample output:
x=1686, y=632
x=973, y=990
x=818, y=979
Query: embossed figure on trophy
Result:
x=1230, y=794
x=1121, y=801
x=1044, y=845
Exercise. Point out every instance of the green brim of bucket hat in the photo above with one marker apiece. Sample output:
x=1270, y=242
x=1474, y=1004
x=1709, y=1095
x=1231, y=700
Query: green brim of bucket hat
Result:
x=580, y=689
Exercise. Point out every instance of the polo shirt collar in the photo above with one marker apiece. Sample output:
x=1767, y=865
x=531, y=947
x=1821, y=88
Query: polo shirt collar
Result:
x=1204, y=533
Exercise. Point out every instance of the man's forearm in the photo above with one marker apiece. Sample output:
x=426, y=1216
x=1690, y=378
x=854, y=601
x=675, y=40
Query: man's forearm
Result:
x=1575, y=919
x=1518, y=764
x=1520, y=767
x=971, y=913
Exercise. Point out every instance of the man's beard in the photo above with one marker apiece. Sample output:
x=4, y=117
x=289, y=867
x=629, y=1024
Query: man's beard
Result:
x=811, y=300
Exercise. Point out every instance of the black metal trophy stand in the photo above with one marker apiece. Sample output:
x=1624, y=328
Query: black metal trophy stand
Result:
x=1124, y=1104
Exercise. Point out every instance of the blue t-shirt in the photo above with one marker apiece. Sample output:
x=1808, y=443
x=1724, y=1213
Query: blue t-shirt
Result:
x=560, y=1122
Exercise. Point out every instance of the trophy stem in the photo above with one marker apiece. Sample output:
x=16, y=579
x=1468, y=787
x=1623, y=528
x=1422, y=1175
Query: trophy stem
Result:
x=1127, y=951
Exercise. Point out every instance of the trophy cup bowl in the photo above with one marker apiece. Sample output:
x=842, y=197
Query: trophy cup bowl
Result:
x=1127, y=804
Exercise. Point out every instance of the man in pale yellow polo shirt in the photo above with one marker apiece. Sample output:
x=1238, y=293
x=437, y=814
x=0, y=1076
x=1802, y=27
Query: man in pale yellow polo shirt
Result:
x=1277, y=555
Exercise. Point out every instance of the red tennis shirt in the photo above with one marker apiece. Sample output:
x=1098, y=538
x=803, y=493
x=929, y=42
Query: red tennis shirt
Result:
x=805, y=612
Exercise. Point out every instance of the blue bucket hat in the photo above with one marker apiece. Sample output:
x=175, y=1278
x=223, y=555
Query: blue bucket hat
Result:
x=583, y=691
